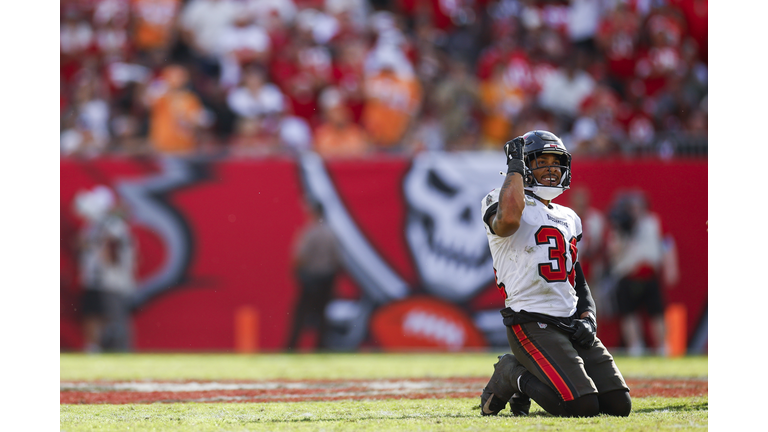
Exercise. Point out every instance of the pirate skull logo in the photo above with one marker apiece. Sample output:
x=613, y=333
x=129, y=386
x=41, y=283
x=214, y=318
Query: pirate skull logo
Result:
x=444, y=229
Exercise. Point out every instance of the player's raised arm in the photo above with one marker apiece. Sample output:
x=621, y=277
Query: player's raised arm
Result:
x=506, y=221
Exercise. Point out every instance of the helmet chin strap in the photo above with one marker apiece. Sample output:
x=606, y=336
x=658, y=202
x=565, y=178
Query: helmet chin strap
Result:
x=546, y=192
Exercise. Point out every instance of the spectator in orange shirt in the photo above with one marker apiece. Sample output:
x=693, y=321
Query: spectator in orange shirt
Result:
x=391, y=101
x=338, y=135
x=500, y=101
x=154, y=22
x=176, y=114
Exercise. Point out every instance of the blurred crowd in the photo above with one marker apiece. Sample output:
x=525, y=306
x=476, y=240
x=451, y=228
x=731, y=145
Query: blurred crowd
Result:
x=352, y=78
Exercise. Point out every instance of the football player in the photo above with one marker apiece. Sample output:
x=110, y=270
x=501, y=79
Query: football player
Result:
x=556, y=359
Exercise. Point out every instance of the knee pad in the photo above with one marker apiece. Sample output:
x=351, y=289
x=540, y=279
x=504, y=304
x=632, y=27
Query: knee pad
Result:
x=585, y=406
x=616, y=403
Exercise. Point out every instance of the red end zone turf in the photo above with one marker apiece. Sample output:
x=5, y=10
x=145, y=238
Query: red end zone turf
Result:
x=137, y=392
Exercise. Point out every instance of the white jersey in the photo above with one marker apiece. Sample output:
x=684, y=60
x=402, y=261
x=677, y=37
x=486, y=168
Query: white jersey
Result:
x=535, y=265
x=99, y=274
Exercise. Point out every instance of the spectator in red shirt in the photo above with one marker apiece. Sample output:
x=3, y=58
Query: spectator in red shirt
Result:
x=618, y=40
x=348, y=74
x=696, y=14
x=76, y=40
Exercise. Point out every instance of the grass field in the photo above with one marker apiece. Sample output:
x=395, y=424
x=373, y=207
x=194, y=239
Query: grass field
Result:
x=359, y=392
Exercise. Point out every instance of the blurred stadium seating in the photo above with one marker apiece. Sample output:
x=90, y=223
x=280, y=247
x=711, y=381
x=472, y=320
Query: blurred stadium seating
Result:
x=260, y=77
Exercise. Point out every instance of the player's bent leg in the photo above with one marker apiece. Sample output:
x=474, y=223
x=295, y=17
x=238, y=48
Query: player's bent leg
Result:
x=615, y=403
x=543, y=395
x=603, y=371
x=552, y=402
x=502, y=385
x=549, y=355
x=555, y=376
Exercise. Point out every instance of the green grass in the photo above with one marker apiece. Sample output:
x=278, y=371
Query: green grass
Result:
x=678, y=414
x=328, y=366
x=653, y=413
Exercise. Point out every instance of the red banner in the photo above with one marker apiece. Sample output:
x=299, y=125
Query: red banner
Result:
x=214, y=239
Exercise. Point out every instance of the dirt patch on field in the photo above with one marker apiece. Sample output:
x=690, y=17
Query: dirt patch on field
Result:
x=137, y=392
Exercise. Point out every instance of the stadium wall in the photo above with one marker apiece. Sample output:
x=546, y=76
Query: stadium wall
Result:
x=214, y=239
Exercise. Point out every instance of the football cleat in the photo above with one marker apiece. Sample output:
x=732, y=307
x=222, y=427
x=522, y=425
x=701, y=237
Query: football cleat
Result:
x=502, y=385
x=490, y=405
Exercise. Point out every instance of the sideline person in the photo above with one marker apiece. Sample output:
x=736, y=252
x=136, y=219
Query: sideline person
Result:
x=316, y=262
x=107, y=270
x=550, y=316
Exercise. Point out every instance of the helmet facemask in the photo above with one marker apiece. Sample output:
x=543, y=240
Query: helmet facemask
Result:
x=540, y=190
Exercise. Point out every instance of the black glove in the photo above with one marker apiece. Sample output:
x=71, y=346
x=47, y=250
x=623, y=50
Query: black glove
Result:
x=513, y=150
x=586, y=331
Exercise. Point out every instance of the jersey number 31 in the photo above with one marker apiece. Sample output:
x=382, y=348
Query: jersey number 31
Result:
x=556, y=271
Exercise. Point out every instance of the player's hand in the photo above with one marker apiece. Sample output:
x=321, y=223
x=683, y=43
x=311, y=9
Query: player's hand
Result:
x=586, y=332
x=513, y=150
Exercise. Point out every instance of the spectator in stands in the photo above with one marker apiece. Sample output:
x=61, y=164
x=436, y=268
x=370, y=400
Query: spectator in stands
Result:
x=696, y=124
x=651, y=55
x=501, y=50
x=154, y=23
x=88, y=132
x=584, y=17
x=76, y=34
x=565, y=89
x=241, y=43
x=256, y=96
x=112, y=40
x=618, y=39
x=338, y=136
x=456, y=100
x=602, y=107
x=250, y=139
x=500, y=101
x=201, y=23
x=583, y=132
x=127, y=133
x=348, y=74
x=176, y=113
x=696, y=15
x=76, y=140
x=307, y=66
x=392, y=100
x=276, y=18
x=114, y=12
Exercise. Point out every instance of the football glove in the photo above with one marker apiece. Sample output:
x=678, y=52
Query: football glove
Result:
x=513, y=150
x=586, y=331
